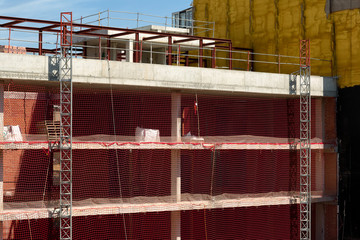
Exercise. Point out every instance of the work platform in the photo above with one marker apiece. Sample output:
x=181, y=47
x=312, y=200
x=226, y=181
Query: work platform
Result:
x=101, y=206
x=244, y=142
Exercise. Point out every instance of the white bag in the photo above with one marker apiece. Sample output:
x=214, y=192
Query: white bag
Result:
x=147, y=135
x=12, y=134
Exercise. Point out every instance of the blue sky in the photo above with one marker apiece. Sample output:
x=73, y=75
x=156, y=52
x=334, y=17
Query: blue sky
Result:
x=50, y=9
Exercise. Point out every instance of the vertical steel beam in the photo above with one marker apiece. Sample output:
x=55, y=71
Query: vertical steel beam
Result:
x=137, y=47
x=230, y=56
x=40, y=42
x=169, y=50
x=305, y=138
x=65, y=145
x=213, y=62
x=187, y=58
x=201, y=52
x=108, y=49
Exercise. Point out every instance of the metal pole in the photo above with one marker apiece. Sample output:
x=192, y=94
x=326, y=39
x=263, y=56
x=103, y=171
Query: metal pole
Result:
x=137, y=39
x=169, y=50
x=213, y=63
x=65, y=144
x=108, y=17
x=279, y=65
x=230, y=56
x=178, y=58
x=137, y=20
x=151, y=56
x=248, y=61
x=305, y=138
x=40, y=42
x=201, y=52
x=9, y=37
x=99, y=18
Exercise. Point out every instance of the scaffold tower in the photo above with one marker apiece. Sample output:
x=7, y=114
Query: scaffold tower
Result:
x=65, y=145
x=305, y=137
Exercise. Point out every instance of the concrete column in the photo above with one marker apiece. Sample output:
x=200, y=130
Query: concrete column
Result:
x=130, y=51
x=113, y=51
x=1, y=157
x=176, y=117
x=176, y=164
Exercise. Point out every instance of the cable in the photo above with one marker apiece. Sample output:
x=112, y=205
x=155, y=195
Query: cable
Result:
x=206, y=237
x=30, y=228
x=46, y=180
x=197, y=111
x=213, y=156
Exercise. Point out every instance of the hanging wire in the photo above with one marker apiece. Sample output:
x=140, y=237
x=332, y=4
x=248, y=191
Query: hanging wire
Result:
x=46, y=180
x=213, y=160
x=29, y=227
x=197, y=111
x=205, y=225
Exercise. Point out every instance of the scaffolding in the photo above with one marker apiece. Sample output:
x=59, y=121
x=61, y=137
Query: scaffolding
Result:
x=66, y=127
x=305, y=138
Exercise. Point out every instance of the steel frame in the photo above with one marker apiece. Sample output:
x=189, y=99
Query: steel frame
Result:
x=305, y=137
x=65, y=145
x=92, y=30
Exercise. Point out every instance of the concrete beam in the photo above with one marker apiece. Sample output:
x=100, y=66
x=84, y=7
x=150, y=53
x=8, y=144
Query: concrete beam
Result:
x=128, y=208
x=330, y=148
x=126, y=74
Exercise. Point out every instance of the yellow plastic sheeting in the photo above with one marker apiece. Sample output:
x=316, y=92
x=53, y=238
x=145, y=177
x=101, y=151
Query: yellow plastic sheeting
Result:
x=347, y=34
x=276, y=26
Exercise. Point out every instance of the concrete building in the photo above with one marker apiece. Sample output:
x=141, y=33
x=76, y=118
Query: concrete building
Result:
x=172, y=137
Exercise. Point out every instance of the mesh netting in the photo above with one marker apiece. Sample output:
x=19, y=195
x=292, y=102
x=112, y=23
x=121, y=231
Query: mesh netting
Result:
x=267, y=222
x=243, y=172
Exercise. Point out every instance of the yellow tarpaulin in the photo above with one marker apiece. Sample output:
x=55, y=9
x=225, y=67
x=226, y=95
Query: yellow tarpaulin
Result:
x=276, y=26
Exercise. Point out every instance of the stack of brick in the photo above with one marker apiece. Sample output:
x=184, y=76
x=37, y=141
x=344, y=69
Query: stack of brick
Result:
x=12, y=49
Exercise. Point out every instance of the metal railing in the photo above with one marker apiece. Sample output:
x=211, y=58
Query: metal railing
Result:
x=138, y=20
x=157, y=52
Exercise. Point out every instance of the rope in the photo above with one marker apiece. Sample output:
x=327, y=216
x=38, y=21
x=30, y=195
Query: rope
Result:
x=46, y=180
x=116, y=150
x=213, y=153
x=29, y=228
x=205, y=223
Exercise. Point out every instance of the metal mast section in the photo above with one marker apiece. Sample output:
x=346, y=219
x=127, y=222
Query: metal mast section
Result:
x=305, y=137
x=66, y=126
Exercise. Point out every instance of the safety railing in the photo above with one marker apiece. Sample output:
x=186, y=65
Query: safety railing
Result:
x=192, y=53
x=136, y=20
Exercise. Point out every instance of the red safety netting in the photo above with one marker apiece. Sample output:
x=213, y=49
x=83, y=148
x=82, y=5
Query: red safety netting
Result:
x=267, y=222
x=244, y=172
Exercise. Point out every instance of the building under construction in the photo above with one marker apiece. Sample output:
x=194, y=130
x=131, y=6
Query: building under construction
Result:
x=195, y=129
